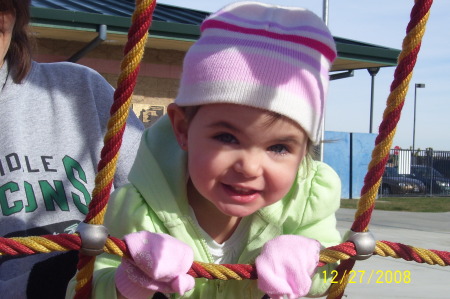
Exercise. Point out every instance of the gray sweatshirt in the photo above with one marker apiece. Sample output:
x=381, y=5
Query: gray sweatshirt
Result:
x=51, y=134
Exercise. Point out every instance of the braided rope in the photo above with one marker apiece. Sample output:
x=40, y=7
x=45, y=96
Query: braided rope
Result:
x=391, y=116
x=342, y=252
x=380, y=154
x=133, y=53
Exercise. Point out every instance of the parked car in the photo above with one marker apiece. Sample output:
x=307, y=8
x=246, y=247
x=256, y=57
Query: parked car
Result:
x=443, y=166
x=434, y=181
x=395, y=183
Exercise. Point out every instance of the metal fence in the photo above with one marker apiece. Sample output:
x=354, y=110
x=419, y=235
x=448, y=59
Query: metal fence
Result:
x=416, y=173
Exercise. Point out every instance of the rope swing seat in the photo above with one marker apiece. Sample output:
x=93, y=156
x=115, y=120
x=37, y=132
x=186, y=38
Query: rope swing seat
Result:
x=92, y=237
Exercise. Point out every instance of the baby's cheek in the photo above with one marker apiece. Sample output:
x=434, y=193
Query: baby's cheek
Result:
x=280, y=186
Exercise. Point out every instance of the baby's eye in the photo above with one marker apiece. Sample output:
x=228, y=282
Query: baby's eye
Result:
x=226, y=138
x=279, y=149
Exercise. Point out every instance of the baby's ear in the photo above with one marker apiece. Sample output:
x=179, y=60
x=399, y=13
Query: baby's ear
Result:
x=179, y=124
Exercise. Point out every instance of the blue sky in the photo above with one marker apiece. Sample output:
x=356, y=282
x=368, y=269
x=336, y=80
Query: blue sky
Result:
x=383, y=23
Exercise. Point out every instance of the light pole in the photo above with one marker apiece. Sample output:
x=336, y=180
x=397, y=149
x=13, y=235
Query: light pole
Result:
x=325, y=12
x=418, y=85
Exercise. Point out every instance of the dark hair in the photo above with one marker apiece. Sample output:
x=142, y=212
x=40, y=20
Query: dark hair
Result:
x=20, y=49
x=190, y=112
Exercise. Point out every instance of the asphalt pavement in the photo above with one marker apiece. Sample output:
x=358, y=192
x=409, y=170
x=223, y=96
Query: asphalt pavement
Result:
x=387, y=277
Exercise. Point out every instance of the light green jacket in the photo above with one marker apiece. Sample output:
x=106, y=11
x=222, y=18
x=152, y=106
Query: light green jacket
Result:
x=155, y=200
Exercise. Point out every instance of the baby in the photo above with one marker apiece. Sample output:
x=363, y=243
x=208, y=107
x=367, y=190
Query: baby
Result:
x=226, y=176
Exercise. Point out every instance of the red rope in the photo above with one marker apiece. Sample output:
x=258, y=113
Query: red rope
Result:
x=73, y=242
x=138, y=30
x=389, y=123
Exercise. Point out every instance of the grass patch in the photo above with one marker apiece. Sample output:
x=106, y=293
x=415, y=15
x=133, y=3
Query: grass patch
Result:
x=407, y=204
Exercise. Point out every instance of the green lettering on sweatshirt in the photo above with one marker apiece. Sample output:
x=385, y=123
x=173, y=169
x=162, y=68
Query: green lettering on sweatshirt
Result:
x=17, y=205
x=54, y=195
x=32, y=205
x=71, y=165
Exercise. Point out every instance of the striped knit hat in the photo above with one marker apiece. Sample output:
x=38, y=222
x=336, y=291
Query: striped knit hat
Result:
x=265, y=56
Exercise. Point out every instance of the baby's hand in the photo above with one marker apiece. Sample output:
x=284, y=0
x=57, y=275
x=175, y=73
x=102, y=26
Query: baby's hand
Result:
x=160, y=264
x=286, y=265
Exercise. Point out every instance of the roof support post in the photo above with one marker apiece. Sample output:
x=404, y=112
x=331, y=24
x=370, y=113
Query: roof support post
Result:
x=373, y=72
x=101, y=37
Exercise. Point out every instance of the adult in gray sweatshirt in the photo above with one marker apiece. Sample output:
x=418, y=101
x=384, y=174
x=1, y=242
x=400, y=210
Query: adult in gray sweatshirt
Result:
x=53, y=118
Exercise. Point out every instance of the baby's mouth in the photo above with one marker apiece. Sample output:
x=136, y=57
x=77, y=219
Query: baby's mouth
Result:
x=242, y=191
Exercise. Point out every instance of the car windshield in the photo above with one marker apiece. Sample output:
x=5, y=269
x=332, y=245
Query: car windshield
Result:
x=424, y=171
x=392, y=172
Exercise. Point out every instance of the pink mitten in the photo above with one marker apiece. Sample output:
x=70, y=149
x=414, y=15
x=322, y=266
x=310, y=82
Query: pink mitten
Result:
x=160, y=264
x=286, y=265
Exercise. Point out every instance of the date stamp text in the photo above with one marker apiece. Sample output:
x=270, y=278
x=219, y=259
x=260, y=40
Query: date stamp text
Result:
x=368, y=277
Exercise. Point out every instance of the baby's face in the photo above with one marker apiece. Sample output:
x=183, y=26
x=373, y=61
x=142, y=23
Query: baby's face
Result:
x=242, y=159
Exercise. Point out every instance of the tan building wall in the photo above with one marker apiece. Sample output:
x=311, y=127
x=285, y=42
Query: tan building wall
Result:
x=157, y=82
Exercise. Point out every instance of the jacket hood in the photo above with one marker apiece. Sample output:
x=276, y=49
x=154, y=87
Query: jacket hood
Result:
x=159, y=172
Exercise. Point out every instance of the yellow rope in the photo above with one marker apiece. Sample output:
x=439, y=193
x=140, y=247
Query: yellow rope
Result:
x=395, y=99
x=112, y=248
x=330, y=256
x=39, y=244
x=384, y=250
x=105, y=176
x=84, y=275
x=327, y=255
x=219, y=271
x=338, y=288
x=129, y=64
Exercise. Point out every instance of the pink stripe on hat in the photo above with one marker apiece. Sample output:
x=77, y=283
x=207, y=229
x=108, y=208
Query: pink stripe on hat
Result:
x=328, y=52
x=231, y=18
x=207, y=42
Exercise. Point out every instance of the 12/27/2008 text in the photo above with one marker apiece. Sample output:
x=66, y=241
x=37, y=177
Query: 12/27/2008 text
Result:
x=363, y=276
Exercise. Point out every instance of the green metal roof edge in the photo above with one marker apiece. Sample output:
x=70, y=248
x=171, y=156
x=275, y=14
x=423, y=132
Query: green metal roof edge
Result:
x=356, y=50
x=368, y=54
x=58, y=18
